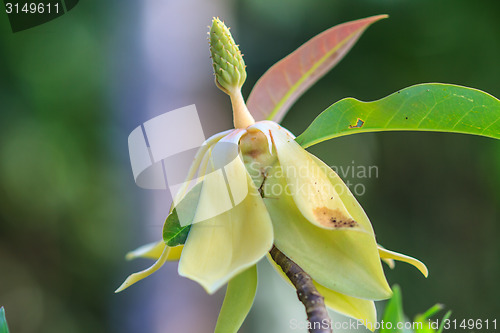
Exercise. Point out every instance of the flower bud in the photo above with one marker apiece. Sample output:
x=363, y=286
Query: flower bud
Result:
x=229, y=67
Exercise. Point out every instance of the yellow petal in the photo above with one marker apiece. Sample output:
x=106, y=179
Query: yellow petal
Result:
x=223, y=163
x=150, y=251
x=133, y=278
x=154, y=251
x=238, y=301
x=196, y=166
x=344, y=260
x=175, y=253
x=223, y=246
x=352, y=205
x=315, y=196
x=353, y=307
x=389, y=262
x=386, y=254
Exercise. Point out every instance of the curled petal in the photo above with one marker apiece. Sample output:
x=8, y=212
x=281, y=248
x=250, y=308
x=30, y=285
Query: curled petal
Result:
x=388, y=261
x=344, y=260
x=221, y=247
x=133, y=278
x=154, y=251
x=386, y=254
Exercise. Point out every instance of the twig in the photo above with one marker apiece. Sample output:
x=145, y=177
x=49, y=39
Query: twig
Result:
x=317, y=315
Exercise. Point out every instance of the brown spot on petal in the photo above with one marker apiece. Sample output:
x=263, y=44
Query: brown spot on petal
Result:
x=333, y=218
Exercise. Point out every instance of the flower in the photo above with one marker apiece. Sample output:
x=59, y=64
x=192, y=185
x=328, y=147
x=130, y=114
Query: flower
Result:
x=293, y=200
x=255, y=186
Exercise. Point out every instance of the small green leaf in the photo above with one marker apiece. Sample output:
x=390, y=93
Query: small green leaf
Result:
x=425, y=107
x=3, y=322
x=443, y=321
x=279, y=87
x=429, y=313
x=174, y=233
x=394, y=312
x=422, y=321
x=239, y=298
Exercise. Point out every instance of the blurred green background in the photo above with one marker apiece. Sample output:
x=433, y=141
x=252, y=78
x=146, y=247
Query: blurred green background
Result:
x=72, y=90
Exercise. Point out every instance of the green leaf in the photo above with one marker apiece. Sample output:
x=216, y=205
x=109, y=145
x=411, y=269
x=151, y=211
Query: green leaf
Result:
x=174, y=233
x=276, y=91
x=424, y=107
x=429, y=313
x=3, y=322
x=423, y=324
x=239, y=298
x=443, y=321
x=394, y=312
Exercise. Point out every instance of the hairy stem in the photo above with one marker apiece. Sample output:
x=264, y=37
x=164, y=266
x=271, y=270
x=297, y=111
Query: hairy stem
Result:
x=317, y=315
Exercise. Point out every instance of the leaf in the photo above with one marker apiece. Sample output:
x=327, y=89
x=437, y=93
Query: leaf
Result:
x=443, y=321
x=422, y=322
x=424, y=107
x=429, y=313
x=288, y=79
x=238, y=301
x=174, y=233
x=393, y=312
x=3, y=322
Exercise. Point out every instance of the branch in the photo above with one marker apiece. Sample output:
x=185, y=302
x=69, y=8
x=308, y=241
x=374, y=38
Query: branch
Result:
x=314, y=302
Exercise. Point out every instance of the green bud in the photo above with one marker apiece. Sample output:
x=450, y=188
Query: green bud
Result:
x=229, y=67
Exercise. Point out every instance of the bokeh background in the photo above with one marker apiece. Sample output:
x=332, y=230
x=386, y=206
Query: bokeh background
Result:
x=72, y=90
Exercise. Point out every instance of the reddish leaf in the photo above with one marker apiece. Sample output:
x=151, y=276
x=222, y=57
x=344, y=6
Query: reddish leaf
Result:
x=288, y=79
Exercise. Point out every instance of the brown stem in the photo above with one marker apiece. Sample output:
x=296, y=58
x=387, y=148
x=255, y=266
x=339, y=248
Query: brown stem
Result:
x=314, y=302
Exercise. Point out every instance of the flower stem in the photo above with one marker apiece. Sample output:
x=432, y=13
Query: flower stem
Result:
x=317, y=315
x=241, y=116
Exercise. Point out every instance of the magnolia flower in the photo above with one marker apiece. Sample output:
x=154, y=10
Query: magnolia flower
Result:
x=255, y=186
